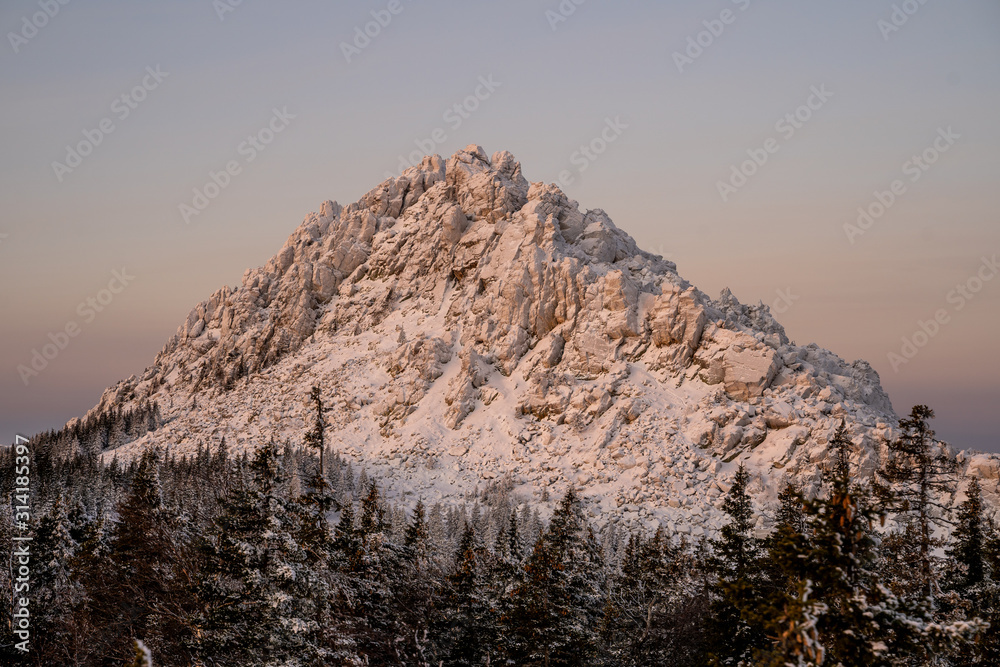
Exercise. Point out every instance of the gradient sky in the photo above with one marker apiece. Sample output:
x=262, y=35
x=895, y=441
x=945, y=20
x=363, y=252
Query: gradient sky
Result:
x=782, y=231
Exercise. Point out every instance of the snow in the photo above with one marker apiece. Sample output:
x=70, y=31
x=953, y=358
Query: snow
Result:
x=616, y=377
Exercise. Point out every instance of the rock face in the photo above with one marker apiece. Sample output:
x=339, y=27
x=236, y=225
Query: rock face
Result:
x=468, y=324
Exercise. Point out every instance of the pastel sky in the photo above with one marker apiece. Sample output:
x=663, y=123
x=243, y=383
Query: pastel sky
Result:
x=885, y=86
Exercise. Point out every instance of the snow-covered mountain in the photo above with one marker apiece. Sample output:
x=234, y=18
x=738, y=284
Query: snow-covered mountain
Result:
x=466, y=325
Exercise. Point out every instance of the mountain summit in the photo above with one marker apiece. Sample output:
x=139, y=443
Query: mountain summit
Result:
x=468, y=325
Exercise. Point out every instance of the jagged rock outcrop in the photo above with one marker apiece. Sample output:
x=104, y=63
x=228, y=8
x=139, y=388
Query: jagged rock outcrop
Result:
x=471, y=325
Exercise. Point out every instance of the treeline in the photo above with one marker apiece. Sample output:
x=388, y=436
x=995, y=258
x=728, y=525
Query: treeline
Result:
x=279, y=559
x=93, y=435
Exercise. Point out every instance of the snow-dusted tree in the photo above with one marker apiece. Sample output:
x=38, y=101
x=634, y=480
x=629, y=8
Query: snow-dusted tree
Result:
x=504, y=574
x=314, y=506
x=256, y=585
x=972, y=583
x=654, y=605
x=375, y=577
x=316, y=436
x=968, y=541
x=841, y=613
x=465, y=625
x=836, y=608
x=558, y=607
x=916, y=481
x=737, y=562
x=416, y=537
x=139, y=590
x=55, y=591
x=788, y=536
x=143, y=656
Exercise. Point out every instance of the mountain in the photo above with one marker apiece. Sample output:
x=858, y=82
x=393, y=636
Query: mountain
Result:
x=466, y=325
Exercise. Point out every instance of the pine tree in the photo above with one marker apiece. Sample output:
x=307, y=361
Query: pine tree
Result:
x=256, y=583
x=972, y=589
x=316, y=437
x=916, y=475
x=376, y=574
x=55, y=591
x=416, y=588
x=315, y=505
x=465, y=624
x=968, y=541
x=373, y=525
x=788, y=536
x=557, y=608
x=832, y=614
x=416, y=537
x=139, y=592
x=737, y=550
x=347, y=541
x=841, y=613
x=737, y=563
x=987, y=649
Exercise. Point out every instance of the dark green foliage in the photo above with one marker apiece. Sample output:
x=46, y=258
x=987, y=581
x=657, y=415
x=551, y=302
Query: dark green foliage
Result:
x=466, y=626
x=656, y=604
x=737, y=565
x=918, y=472
x=968, y=549
x=557, y=607
x=276, y=558
x=839, y=610
x=316, y=436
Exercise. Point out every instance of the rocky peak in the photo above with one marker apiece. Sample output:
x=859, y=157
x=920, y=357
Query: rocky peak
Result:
x=475, y=325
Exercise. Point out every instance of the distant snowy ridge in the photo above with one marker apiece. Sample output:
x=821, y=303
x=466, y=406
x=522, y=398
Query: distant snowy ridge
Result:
x=466, y=325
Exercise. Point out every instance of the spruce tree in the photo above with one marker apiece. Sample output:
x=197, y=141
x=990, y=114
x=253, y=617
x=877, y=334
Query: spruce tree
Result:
x=466, y=626
x=139, y=591
x=316, y=436
x=347, y=541
x=255, y=588
x=787, y=537
x=737, y=563
x=841, y=613
x=376, y=575
x=918, y=474
x=968, y=541
x=504, y=575
x=416, y=535
x=972, y=583
x=317, y=502
x=832, y=612
x=557, y=608
x=56, y=593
